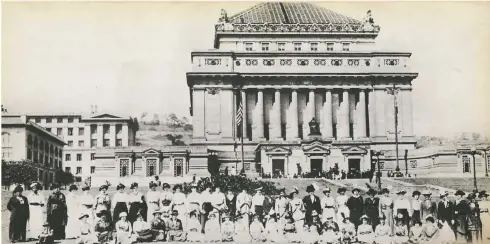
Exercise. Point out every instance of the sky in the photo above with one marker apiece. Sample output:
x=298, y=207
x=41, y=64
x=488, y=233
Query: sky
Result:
x=129, y=58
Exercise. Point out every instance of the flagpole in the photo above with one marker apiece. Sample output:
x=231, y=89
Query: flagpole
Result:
x=241, y=133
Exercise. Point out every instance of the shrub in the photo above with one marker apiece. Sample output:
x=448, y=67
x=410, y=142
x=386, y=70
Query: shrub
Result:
x=18, y=172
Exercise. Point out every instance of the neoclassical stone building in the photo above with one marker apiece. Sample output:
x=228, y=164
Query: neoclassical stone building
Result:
x=290, y=63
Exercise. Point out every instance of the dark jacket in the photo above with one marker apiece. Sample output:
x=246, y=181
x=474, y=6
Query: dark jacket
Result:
x=310, y=206
x=445, y=213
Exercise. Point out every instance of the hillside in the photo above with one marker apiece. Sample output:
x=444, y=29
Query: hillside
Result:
x=170, y=131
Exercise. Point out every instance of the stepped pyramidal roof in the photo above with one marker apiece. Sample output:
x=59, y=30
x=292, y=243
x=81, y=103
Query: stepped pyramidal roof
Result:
x=290, y=13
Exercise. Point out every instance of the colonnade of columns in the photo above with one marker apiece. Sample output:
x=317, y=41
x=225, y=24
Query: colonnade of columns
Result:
x=362, y=119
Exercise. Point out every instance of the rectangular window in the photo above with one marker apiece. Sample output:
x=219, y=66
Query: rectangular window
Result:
x=118, y=129
x=67, y=169
x=93, y=129
x=265, y=46
x=248, y=46
x=345, y=47
x=93, y=143
x=281, y=46
x=92, y=156
x=38, y=120
x=81, y=131
x=79, y=157
x=59, y=131
x=106, y=129
x=70, y=143
x=41, y=174
x=297, y=46
x=92, y=169
x=106, y=142
x=55, y=163
x=314, y=47
x=67, y=157
x=79, y=170
x=29, y=154
x=119, y=143
x=81, y=143
x=59, y=120
x=70, y=131
x=330, y=46
x=49, y=120
x=70, y=120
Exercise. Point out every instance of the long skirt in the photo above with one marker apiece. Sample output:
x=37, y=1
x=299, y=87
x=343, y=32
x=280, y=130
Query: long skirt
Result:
x=73, y=224
x=388, y=213
x=36, y=221
x=176, y=235
x=207, y=207
x=461, y=229
x=328, y=212
x=151, y=208
x=355, y=217
x=135, y=209
x=125, y=238
x=119, y=208
x=17, y=229
x=86, y=239
x=259, y=211
x=406, y=218
x=55, y=221
x=416, y=216
x=195, y=236
x=475, y=236
x=366, y=238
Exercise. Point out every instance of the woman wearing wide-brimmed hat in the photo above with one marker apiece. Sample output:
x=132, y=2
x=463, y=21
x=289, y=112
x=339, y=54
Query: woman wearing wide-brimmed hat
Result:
x=416, y=204
x=18, y=206
x=57, y=215
x=180, y=204
x=428, y=206
x=165, y=200
x=402, y=206
x=386, y=208
x=36, y=208
x=356, y=206
x=365, y=232
x=328, y=205
x=474, y=219
x=281, y=207
x=461, y=211
x=175, y=230
x=297, y=210
x=371, y=207
x=103, y=227
x=341, y=202
x=120, y=202
x=137, y=203
x=103, y=202
x=86, y=203
x=485, y=214
x=124, y=230
x=72, y=227
x=382, y=233
x=153, y=200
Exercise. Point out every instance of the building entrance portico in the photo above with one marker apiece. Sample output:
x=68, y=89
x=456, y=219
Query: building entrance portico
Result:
x=316, y=165
x=354, y=164
x=278, y=166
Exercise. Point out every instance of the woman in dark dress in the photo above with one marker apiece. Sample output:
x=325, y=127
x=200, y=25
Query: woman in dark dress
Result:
x=19, y=214
x=137, y=204
x=355, y=204
x=231, y=203
x=474, y=220
x=120, y=203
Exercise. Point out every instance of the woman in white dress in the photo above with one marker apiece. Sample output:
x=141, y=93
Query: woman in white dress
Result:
x=36, y=206
x=86, y=203
x=73, y=225
x=153, y=200
x=103, y=203
x=342, y=203
x=328, y=205
x=179, y=203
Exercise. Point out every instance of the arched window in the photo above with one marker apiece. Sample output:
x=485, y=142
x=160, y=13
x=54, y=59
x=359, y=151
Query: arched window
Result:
x=29, y=140
x=46, y=147
x=35, y=142
x=51, y=150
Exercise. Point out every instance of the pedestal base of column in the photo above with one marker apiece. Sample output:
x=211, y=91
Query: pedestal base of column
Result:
x=276, y=139
x=345, y=139
x=362, y=139
x=259, y=139
x=293, y=139
x=328, y=139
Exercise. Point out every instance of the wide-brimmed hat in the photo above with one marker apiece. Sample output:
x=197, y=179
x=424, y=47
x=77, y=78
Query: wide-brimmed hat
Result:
x=103, y=187
x=133, y=185
x=399, y=216
x=341, y=189
x=356, y=189
x=371, y=192
x=459, y=193
x=364, y=217
x=310, y=188
x=483, y=194
x=442, y=195
x=34, y=184
x=401, y=192
x=73, y=188
x=178, y=186
x=175, y=212
x=123, y=214
x=165, y=185
x=194, y=185
x=157, y=211
x=82, y=215
x=152, y=184
x=326, y=190
x=426, y=193
x=382, y=216
x=102, y=213
x=258, y=189
x=213, y=213
x=385, y=190
x=429, y=217
x=471, y=196
x=120, y=186
x=85, y=188
x=416, y=193
x=45, y=224
x=18, y=189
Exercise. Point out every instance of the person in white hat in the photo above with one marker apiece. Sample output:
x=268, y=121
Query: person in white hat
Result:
x=194, y=200
x=227, y=228
x=258, y=201
x=158, y=226
x=281, y=207
x=36, y=208
x=402, y=206
x=365, y=232
x=386, y=208
x=124, y=230
x=212, y=231
x=72, y=226
x=257, y=230
x=328, y=205
x=297, y=210
x=152, y=200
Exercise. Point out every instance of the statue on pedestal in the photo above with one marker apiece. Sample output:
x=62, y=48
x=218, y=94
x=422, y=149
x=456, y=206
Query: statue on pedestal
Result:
x=314, y=128
x=368, y=22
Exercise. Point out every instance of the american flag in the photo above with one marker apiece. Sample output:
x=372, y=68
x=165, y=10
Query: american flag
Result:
x=239, y=114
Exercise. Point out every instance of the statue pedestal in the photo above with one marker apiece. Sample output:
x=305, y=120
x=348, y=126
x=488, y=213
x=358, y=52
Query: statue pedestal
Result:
x=315, y=136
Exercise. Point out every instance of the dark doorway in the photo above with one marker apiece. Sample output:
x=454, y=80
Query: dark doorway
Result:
x=355, y=164
x=316, y=166
x=178, y=167
x=277, y=166
x=466, y=164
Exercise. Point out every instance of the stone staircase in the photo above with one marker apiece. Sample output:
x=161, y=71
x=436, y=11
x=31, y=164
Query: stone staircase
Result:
x=142, y=181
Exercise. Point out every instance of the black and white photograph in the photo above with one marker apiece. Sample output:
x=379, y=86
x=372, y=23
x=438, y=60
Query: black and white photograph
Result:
x=308, y=122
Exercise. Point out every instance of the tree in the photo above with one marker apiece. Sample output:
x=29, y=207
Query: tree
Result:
x=156, y=120
x=175, y=139
x=18, y=172
x=64, y=178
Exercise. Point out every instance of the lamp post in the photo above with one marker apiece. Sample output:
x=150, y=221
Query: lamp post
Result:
x=394, y=91
x=485, y=161
x=406, y=162
x=378, y=176
x=473, y=152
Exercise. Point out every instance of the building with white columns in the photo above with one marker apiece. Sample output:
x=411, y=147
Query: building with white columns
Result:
x=289, y=63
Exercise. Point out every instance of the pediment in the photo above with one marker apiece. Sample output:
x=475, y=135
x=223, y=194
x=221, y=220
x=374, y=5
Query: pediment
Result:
x=278, y=150
x=354, y=150
x=316, y=147
x=105, y=116
x=151, y=151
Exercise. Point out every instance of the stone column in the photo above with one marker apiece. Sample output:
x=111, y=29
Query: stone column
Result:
x=112, y=135
x=87, y=135
x=343, y=116
x=100, y=135
x=309, y=113
x=259, y=123
x=293, y=116
x=275, y=118
x=372, y=114
x=198, y=111
x=327, y=131
x=244, y=114
x=380, y=113
x=361, y=116
x=406, y=110
x=125, y=134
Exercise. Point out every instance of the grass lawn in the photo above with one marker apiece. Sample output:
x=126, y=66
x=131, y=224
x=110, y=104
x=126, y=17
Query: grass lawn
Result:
x=465, y=184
